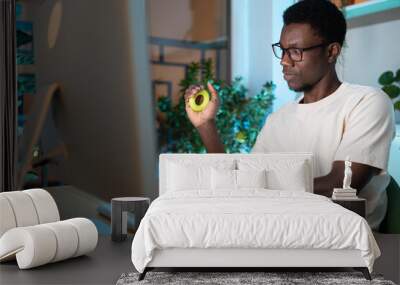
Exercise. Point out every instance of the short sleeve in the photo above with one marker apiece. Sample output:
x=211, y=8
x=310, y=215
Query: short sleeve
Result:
x=368, y=132
x=261, y=144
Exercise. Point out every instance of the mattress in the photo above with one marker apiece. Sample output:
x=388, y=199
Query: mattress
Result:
x=251, y=219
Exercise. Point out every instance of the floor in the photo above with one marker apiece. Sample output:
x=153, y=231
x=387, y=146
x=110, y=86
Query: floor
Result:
x=103, y=266
x=110, y=259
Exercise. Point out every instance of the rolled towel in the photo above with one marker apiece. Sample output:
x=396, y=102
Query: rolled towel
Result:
x=40, y=244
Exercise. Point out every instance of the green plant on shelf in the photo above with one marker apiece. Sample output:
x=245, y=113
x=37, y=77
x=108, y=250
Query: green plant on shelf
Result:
x=390, y=82
x=239, y=118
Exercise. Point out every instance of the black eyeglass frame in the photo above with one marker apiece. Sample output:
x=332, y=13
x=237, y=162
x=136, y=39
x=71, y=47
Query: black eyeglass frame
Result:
x=302, y=50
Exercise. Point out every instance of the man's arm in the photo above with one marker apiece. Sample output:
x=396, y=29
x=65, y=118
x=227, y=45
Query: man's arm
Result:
x=361, y=175
x=210, y=137
x=204, y=121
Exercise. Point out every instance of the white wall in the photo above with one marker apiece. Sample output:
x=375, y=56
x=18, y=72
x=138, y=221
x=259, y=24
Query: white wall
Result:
x=260, y=37
x=239, y=40
x=282, y=93
x=371, y=49
x=105, y=113
x=255, y=25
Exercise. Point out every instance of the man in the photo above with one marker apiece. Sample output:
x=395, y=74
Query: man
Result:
x=332, y=119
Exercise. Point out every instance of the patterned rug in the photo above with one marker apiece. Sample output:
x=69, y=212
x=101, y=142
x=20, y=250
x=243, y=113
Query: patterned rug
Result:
x=225, y=278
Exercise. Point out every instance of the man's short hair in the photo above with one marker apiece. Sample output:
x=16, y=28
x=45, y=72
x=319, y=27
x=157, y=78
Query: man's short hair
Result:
x=322, y=15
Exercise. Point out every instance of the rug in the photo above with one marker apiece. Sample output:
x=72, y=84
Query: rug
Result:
x=225, y=278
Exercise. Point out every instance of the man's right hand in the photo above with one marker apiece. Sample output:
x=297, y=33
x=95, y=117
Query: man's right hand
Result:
x=209, y=113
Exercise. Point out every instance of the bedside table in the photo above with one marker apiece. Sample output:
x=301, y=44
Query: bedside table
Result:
x=357, y=205
x=119, y=218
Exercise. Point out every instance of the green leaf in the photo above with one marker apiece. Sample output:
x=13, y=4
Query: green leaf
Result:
x=164, y=104
x=239, y=117
x=397, y=105
x=392, y=90
x=397, y=75
x=386, y=78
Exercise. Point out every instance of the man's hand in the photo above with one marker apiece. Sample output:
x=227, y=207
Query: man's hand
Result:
x=204, y=121
x=209, y=113
x=361, y=175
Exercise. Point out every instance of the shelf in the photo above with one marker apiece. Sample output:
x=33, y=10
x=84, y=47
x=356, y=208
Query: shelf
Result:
x=370, y=7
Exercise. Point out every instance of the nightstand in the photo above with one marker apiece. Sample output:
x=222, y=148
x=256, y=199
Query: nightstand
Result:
x=119, y=219
x=357, y=205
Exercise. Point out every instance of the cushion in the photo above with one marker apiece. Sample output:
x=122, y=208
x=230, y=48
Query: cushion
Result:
x=7, y=219
x=251, y=178
x=291, y=178
x=26, y=208
x=40, y=244
x=188, y=177
x=45, y=206
x=228, y=179
x=223, y=179
x=281, y=174
x=66, y=237
x=23, y=208
x=87, y=233
x=183, y=175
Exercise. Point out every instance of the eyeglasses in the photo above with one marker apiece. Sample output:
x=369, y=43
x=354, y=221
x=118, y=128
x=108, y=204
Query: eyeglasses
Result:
x=295, y=54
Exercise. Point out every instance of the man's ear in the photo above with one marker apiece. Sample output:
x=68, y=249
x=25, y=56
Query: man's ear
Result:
x=334, y=50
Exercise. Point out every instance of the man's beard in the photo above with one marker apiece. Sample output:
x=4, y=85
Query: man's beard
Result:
x=303, y=88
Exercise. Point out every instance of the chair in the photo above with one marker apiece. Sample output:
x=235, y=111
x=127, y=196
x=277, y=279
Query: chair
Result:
x=391, y=222
x=31, y=231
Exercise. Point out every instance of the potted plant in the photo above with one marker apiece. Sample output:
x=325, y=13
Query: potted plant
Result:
x=239, y=118
x=390, y=82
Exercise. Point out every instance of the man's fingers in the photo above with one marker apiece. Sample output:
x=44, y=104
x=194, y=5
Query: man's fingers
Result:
x=214, y=95
x=193, y=89
x=189, y=110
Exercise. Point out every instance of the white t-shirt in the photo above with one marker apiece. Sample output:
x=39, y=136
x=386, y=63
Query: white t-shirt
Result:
x=355, y=121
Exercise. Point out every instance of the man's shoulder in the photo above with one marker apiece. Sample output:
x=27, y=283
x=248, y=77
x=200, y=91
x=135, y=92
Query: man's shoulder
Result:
x=361, y=91
x=357, y=94
x=353, y=96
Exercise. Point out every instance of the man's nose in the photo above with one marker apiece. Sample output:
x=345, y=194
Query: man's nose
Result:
x=286, y=60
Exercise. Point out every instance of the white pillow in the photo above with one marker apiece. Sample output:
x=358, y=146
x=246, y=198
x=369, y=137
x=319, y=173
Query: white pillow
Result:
x=223, y=179
x=281, y=174
x=293, y=178
x=183, y=177
x=183, y=174
x=251, y=178
x=236, y=179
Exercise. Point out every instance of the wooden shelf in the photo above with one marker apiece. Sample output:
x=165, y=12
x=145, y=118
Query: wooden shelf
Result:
x=370, y=7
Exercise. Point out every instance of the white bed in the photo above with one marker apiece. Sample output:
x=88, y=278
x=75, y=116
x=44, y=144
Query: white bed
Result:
x=250, y=226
